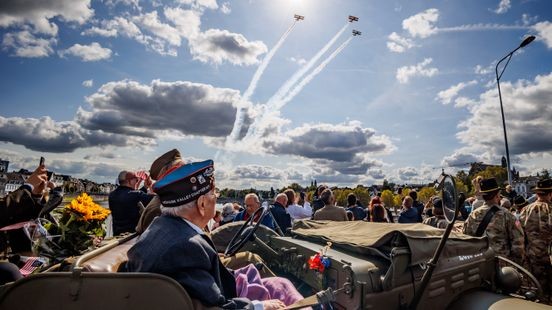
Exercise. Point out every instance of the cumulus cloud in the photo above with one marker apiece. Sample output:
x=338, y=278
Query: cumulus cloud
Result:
x=131, y=108
x=88, y=83
x=25, y=44
x=92, y=52
x=200, y=4
x=257, y=172
x=215, y=46
x=446, y=96
x=407, y=173
x=398, y=44
x=346, y=148
x=187, y=22
x=422, y=24
x=483, y=70
x=459, y=158
x=503, y=7
x=46, y=135
x=404, y=74
x=39, y=13
x=527, y=119
x=544, y=31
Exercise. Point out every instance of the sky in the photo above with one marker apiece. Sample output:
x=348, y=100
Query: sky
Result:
x=97, y=87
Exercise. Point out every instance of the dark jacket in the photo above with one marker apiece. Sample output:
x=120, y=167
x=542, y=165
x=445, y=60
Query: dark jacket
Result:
x=408, y=216
x=173, y=248
x=281, y=217
x=358, y=212
x=18, y=206
x=123, y=203
x=267, y=220
x=419, y=208
x=316, y=205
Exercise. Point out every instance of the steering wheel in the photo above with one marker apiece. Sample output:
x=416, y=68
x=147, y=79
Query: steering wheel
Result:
x=245, y=233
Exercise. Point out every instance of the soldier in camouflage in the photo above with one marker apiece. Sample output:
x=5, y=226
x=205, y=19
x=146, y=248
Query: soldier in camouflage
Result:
x=536, y=220
x=438, y=219
x=504, y=237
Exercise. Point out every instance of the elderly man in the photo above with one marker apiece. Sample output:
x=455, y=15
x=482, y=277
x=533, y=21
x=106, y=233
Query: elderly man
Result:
x=175, y=244
x=505, y=238
x=252, y=204
x=536, y=220
x=330, y=211
x=408, y=213
x=123, y=202
x=438, y=219
x=278, y=211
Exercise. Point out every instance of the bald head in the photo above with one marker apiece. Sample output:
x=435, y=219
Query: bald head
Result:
x=282, y=199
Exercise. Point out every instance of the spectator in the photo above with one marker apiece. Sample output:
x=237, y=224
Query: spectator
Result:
x=123, y=202
x=438, y=219
x=278, y=210
x=330, y=211
x=408, y=214
x=317, y=202
x=377, y=201
x=378, y=214
x=252, y=204
x=228, y=213
x=358, y=212
x=301, y=209
x=416, y=204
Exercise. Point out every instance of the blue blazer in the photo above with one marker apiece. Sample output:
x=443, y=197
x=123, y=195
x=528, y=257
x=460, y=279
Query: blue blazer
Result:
x=267, y=220
x=171, y=247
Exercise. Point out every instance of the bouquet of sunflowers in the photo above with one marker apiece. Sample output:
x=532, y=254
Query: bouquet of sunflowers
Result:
x=75, y=227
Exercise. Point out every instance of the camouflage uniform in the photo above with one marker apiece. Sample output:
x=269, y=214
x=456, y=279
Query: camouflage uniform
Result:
x=438, y=221
x=536, y=220
x=505, y=238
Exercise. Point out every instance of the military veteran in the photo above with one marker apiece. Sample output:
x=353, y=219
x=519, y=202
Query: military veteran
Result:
x=175, y=244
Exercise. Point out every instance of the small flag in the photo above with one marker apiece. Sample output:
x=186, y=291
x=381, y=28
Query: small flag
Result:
x=31, y=265
x=142, y=174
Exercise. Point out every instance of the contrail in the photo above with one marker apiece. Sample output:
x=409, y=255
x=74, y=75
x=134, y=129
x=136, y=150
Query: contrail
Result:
x=284, y=89
x=281, y=103
x=240, y=112
x=311, y=75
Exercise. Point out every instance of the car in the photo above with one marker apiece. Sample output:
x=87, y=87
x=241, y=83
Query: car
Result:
x=365, y=266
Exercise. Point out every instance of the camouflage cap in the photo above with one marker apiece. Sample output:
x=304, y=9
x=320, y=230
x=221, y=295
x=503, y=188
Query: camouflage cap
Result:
x=162, y=161
x=544, y=186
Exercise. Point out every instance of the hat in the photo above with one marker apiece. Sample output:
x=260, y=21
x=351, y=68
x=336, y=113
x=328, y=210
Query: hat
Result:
x=162, y=161
x=437, y=202
x=488, y=185
x=543, y=186
x=520, y=202
x=185, y=184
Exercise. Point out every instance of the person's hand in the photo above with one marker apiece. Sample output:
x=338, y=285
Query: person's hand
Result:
x=273, y=304
x=39, y=180
x=148, y=182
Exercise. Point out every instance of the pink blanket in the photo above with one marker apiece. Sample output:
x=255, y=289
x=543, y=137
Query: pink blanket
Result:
x=250, y=285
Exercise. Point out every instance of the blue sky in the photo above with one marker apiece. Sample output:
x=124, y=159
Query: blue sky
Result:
x=101, y=86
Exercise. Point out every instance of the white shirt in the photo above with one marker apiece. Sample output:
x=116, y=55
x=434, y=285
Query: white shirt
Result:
x=297, y=212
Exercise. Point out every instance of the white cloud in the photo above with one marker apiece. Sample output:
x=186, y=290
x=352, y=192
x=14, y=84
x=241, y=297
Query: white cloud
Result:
x=503, y=7
x=544, y=30
x=25, y=44
x=404, y=74
x=46, y=135
x=216, y=46
x=446, y=96
x=186, y=22
x=39, y=13
x=422, y=24
x=462, y=102
x=200, y=4
x=150, y=22
x=483, y=70
x=398, y=44
x=527, y=115
x=459, y=158
x=88, y=83
x=182, y=107
x=225, y=8
x=92, y=52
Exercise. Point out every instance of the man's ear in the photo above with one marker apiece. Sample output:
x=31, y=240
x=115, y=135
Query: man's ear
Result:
x=201, y=205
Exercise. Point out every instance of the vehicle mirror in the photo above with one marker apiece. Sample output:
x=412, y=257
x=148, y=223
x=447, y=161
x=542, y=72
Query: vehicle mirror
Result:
x=449, y=197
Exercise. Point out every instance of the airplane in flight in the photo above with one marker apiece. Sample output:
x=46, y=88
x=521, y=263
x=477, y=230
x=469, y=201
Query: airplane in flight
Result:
x=356, y=33
x=299, y=17
x=353, y=18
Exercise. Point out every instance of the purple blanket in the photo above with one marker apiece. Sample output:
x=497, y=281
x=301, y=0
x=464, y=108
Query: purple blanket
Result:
x=250, y=285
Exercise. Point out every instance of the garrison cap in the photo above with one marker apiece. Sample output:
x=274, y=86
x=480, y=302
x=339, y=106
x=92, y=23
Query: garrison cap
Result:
x=162, y=161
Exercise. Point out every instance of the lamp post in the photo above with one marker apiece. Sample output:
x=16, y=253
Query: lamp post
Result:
x=524, y=43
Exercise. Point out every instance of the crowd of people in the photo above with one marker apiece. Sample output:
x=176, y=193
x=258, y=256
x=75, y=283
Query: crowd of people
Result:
x=174, y=213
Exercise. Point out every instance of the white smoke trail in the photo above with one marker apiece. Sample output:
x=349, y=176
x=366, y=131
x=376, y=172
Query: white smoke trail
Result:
x=311, y=75
x=240, y=112
x=284, y=89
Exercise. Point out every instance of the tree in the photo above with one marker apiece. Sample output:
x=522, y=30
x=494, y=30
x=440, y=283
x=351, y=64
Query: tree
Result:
x=272, y=193
x=387, y=197
x=465, y=178
x=498, y=173
x=426, y=193
x=545, y=174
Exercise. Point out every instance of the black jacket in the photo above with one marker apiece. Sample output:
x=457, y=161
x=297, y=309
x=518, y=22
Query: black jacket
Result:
x=123, y=203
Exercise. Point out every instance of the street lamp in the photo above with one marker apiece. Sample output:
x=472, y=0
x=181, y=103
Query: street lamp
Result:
x=524, y=43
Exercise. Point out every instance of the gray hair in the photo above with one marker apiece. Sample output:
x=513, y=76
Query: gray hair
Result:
x=179, y=211
x=253, y=195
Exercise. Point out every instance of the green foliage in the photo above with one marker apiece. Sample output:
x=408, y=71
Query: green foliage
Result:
x=498, y=173
x=387, y=197
x=425, y=193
